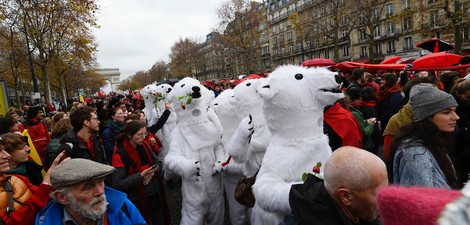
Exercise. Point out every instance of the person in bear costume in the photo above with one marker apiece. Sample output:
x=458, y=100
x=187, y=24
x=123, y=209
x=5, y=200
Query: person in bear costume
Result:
x=149, y=94
x=293, y=101
x=250, y=140
x=196, y=153
x=225, y=107
x=164, y=134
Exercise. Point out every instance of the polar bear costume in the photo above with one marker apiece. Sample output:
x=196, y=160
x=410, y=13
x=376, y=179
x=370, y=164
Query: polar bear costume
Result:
x=196, y=154
x=250, y=140
x=225, y=107
x=149, y=93
x=293, y=101
x=163, y=90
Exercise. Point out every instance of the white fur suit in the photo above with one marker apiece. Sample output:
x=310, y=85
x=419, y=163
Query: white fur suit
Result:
x=294, y=99
x=225, y=107
x=196, y=154
x=250, y=140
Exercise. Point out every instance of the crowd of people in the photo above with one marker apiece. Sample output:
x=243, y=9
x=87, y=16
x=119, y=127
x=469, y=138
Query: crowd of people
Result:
x=97, y=161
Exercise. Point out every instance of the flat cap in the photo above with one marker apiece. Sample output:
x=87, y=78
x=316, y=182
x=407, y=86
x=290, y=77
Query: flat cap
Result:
x=74, y=171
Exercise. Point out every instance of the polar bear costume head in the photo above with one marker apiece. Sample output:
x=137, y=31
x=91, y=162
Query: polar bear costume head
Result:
x=225, y=107
x=190, y=99
x=247, y=99
x=162, y=91
x=294, y=99
x=149, y=94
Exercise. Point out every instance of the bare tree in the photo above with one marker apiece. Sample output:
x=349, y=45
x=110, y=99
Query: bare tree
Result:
x=241, y=23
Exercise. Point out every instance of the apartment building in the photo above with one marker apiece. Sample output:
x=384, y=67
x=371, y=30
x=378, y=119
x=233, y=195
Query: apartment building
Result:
x=367, y=31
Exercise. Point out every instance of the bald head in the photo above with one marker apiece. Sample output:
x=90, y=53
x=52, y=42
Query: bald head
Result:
x=352, y=178
x=352, y=168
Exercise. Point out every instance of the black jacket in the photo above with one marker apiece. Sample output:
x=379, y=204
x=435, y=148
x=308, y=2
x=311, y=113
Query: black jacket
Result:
x=311, y=204
x=75, y=148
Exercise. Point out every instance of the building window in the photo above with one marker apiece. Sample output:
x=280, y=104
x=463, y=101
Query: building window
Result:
x=344, y=33
x=362, y=35
x=361, y=19
x=431, y=1
x=291, y=49
x=289, y=36
x=283, y=51
x=391, y=46
x=281, y=38
x=389, y=9
x=299, y=47
x=433, y=19
x=377, y=31
x=407, y=23
x=406, y=4
x=376, y=14
x=407, y=43
x=364, y=52
x=281, y=27
x=346, y=50
x=378, y=49
x=275, y=41
x=390, y=28
x=274, y=30
x=326, y=54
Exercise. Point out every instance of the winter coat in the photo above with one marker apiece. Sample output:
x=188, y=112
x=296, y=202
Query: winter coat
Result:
x=78, y=149
x=388, y=107
x=39, y=134
x=367, y=129
x=461, y=153
x=29, y=170
x=311, y=204
x=118, y=214
x=108, y=136
x=32, y=200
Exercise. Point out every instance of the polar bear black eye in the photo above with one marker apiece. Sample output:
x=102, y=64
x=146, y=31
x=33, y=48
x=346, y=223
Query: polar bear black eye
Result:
x=248, y=84
x=182, y=85
x=299, y=76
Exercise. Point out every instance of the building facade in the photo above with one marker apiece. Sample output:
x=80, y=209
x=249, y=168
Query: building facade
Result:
x=346, y=30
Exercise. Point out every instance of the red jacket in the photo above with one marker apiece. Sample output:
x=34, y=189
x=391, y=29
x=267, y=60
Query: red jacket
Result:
x=39, y=135
x=25, y=213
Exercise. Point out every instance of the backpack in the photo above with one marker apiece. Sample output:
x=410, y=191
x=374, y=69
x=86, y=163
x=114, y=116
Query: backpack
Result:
x=54, y=148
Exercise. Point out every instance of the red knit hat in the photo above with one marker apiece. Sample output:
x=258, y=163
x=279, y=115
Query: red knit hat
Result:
x=413, y=205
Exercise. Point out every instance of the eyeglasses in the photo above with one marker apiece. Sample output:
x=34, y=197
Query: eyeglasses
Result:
x=142, y=134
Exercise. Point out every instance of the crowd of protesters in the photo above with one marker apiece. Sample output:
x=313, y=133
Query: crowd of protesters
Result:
x=417, y=123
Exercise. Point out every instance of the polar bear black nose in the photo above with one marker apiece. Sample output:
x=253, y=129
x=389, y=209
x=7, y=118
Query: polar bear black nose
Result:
x=196, y=89
x=168, y=91
x=299, y=76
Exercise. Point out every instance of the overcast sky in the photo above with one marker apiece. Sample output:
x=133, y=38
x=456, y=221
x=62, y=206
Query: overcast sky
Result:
x=134, y=34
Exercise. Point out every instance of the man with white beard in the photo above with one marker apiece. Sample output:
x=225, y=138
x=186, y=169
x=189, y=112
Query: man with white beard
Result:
x=80, y=197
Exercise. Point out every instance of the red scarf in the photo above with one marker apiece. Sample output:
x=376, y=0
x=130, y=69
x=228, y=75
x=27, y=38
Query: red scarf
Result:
x=368, y=103
x=385, y=93
x=136, y=168
x=337, y=118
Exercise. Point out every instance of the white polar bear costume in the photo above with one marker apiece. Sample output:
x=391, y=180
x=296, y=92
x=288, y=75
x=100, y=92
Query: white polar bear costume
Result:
x=250, y=140
x=149, y=93
x=196, y=154
x=293, y=101
x=225, y=107
x=163, y=90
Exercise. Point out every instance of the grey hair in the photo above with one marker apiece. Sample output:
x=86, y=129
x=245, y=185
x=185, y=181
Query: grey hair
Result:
x=350, y=168
x=63, y=191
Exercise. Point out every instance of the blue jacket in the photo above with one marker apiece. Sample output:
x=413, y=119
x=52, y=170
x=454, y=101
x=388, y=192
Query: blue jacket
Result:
x=52, y=214
x=415, y=165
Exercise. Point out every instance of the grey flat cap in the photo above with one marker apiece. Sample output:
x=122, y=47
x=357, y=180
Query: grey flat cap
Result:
x=74, y=171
